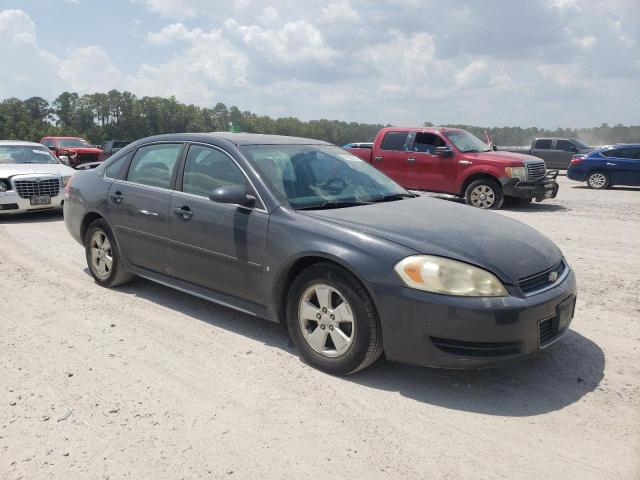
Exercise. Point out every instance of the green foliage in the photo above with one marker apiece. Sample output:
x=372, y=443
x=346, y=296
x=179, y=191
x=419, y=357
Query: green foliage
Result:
x=121, y=115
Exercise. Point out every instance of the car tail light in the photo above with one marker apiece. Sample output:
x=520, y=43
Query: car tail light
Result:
x=576, y=159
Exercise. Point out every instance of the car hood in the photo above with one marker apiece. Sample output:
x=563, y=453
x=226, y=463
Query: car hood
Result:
x=9, y=170
x=506, y=247
x=506, y=157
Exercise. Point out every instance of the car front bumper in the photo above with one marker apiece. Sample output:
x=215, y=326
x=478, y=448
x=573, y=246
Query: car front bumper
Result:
x=11, y=202
x=539, y=189
x=446, y=331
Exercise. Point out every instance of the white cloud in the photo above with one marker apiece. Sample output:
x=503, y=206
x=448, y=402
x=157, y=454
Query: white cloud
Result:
x=17, y=28
x=474, y=74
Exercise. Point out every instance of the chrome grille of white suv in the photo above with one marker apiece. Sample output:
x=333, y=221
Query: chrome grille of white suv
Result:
x=41, y=186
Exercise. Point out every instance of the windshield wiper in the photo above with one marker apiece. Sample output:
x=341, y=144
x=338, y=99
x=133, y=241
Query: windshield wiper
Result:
x=392, y=197
x=330, y=204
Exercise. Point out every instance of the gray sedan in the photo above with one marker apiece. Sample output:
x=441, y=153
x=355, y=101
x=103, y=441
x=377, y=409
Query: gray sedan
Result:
x=302, y=232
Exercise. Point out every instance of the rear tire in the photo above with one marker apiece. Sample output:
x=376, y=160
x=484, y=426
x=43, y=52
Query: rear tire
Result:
x=103, y=257
x=598, y=180
x=327, y=302
x=484, y=193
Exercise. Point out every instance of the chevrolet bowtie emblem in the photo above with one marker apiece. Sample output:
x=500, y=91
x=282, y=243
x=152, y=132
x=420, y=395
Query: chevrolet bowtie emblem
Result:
x=553, y=276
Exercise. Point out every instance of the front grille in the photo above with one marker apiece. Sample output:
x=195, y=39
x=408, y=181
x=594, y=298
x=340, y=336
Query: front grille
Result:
x=548, y=330
x=87, y=157
x=30, y=188
x=542, y=280
x=477, y=349
x=535, y=170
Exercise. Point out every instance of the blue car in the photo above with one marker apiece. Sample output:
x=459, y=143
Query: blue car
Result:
x=607, y=166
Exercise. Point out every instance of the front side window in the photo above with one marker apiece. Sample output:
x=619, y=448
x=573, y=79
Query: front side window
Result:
x=118, y=168
x=565, y=145
x=154, y=164
x=543, y=144
x=207, y=169
x=24, y=154
x=394, y=141
x=427, y=142
x=320, y=176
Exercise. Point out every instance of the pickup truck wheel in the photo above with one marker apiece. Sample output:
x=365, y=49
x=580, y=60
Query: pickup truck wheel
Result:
x=332, y=320
x=598, y=180
x=484, y=193
x=103, y=256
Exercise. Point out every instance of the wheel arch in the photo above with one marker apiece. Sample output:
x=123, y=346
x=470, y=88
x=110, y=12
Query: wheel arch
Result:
x=88, y=219
x=477, y=176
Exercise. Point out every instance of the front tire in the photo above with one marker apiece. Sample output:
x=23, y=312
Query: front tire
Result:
x=598, y=180
x=332, y=320
x=103, y=256
x=484, y=193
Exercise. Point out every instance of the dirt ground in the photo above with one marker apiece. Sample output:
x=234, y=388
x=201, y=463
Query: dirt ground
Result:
x=147, y=382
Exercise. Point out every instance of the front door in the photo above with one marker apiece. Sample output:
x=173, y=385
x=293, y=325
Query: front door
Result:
x=425, y=169
x=391, y=157
x=217, y=246
x=139, y=205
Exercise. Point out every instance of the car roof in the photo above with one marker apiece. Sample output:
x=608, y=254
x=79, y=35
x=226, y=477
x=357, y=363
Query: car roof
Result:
x=620, y=145
x=238, y=139
x=20, y=143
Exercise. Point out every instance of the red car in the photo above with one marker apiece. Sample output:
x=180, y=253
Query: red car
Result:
x=454, y=161
x=74, y=150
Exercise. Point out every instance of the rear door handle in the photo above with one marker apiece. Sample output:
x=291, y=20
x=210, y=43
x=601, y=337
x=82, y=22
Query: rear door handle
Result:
x=411, y=160
x=117, y=197
x=611, y=164
x=378, y=158
x=184, y=212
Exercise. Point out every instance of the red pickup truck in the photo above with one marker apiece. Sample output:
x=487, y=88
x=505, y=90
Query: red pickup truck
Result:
x=72, y=150
x=454, y=161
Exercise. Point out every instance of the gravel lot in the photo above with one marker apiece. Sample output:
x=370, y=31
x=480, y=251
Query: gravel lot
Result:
x=147, y=382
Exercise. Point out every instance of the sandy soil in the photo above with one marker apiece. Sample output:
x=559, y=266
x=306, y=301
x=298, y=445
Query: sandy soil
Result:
x=147, y=382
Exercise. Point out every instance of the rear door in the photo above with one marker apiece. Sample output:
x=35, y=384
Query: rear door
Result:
x=543, y=148
x=425, y=169
x=217, y=246
x=139, y=205
x=392, y=155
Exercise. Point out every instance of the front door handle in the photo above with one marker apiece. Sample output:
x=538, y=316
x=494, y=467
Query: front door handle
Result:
x=117, y=197
x=411, y=160
x=184, y=212
x=611, y=164
x=378, y=158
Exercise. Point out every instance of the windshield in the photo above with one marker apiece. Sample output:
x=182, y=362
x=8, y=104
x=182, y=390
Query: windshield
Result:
x=73, y=142
x=580, y=144
x=31, y=154
x=319, y=176
x=466, y=142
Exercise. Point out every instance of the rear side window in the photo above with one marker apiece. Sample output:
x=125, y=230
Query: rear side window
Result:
x=118, y=169
x=543, y=144
x=207, y=169
x=565, y=145
x=394, y=141
x=626, y=152
x=614, y=152
x=154, y=164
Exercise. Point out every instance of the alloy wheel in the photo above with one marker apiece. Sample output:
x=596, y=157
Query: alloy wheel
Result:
x=326, y=320
x=597, y=180
x=483, y=196
x=101, y=254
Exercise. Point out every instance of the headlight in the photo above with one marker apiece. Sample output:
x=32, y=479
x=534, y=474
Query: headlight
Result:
x=4, y=186
x=65, y=180
x=516, y=172
x=442, y=275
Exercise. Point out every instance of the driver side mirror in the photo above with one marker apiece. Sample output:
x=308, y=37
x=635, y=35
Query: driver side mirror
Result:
x=232, y=194
x=444, y=151
x=64, y=159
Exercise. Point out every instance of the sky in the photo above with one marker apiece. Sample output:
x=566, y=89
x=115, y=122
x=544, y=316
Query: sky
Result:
x=545, y=63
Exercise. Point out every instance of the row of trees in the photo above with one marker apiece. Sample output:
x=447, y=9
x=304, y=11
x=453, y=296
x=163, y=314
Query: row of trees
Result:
x=122, y=115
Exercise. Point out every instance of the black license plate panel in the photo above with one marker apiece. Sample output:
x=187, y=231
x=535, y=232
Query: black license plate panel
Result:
x=565, y=312
x=40, y=200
